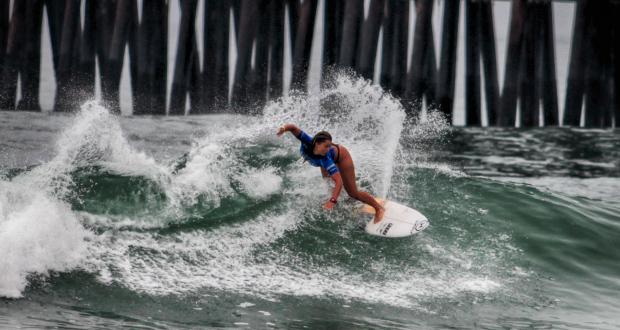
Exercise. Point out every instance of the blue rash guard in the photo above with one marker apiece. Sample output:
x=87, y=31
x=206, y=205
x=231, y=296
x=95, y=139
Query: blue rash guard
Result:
x=326, y=162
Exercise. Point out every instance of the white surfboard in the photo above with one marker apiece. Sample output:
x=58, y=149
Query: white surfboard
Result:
x=398, y=220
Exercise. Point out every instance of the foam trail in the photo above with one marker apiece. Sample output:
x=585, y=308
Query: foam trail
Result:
x=223, y=259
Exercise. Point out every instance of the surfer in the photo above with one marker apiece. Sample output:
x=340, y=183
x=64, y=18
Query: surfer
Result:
x=335, y=161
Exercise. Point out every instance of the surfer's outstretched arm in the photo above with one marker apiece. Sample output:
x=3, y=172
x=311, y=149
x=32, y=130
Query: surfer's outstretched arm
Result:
x=289, y=128
x=336, y=192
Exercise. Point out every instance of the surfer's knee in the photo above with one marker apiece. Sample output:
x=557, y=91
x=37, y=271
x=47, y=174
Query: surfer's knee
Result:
x=353, y=193
x=350, y=189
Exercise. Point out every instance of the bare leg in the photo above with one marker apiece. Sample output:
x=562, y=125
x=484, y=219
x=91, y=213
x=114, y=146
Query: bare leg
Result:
x=347, y=172
x=365, y=197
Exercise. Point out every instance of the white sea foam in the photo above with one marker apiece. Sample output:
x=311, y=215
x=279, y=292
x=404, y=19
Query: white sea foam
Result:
x=222, y=259
x=38, y=234
x=260, y=183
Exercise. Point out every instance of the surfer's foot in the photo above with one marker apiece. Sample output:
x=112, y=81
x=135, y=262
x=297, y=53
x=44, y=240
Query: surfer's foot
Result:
x=379, y=214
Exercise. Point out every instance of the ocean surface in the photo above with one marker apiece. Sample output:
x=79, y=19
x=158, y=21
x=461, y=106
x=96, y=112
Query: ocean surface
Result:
x=213, y=221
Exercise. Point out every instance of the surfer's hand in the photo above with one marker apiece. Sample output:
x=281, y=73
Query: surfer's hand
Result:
x=281, y=130
x=329, y=205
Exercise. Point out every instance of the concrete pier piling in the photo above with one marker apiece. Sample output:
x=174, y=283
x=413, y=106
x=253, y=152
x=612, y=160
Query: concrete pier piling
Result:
x=91, y=40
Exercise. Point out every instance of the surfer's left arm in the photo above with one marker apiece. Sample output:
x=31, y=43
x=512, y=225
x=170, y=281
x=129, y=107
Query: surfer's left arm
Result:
x=336, y=192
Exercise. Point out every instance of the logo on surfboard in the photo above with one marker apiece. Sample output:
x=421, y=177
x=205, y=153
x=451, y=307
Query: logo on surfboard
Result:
x=386, y=229
x=419, y=226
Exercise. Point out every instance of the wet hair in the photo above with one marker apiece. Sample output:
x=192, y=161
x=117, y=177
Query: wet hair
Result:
x=319, y=137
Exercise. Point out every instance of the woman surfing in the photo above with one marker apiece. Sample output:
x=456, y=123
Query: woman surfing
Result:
x=335, y=161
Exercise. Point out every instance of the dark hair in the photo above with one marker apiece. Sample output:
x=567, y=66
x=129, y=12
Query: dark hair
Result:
x=319, y=137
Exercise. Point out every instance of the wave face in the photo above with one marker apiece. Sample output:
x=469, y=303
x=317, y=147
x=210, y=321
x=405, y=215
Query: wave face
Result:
x=215, y=221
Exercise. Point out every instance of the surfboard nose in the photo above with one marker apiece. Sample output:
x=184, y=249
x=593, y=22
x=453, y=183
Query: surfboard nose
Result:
x=419, y=226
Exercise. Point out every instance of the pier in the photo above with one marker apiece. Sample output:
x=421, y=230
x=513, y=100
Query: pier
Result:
x=233, y=56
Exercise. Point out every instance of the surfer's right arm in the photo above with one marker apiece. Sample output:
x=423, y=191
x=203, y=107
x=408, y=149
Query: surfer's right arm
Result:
x=289, y=128
x=299, y=134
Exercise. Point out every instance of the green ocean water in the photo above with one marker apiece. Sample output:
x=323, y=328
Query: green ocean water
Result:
x=213, y=221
